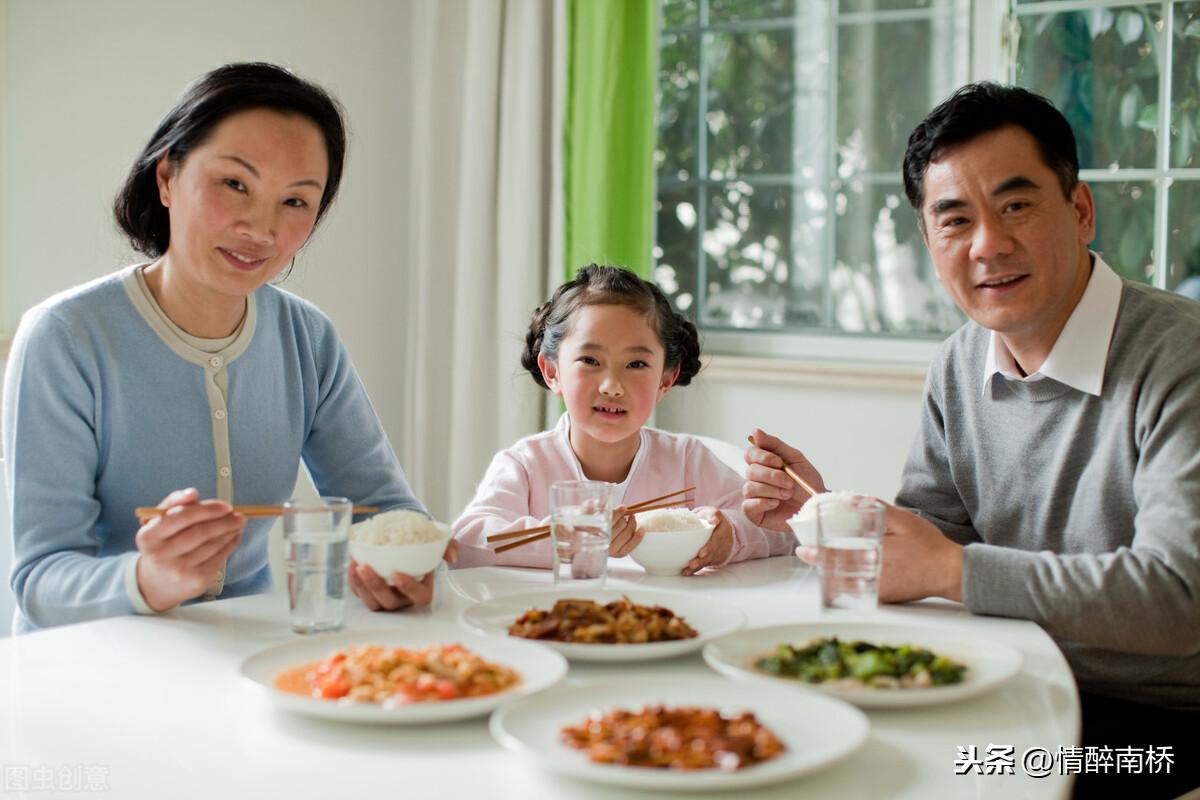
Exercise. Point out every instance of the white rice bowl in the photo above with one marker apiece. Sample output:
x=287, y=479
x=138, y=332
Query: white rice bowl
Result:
x=804, y=522
x=399, y=541
x=672, y=538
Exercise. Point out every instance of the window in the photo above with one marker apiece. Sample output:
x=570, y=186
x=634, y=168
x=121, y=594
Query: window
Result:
x=1123, y=74
x=782, y=126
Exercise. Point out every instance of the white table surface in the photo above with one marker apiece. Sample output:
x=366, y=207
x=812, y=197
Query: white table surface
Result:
x=155, y=705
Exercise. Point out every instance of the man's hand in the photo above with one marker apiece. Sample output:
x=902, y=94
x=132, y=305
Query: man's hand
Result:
x=918, y=560
x=772, y=497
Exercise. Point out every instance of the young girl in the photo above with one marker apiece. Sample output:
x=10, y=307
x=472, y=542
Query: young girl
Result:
x=609, y=344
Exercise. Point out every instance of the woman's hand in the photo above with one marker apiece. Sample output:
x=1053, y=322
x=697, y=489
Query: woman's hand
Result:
x=772, y=497
x=184, y=551
x=626, y=534
x=400, y=591
x=716, y=550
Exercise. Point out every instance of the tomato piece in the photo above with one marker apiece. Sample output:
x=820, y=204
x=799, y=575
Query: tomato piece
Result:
x=331, y=690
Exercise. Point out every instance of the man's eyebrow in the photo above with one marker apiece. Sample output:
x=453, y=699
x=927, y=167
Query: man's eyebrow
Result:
x=254, y=172
x=946, y=204
x=1013, y=184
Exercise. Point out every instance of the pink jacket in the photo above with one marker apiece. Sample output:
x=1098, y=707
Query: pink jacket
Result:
x=515, y=494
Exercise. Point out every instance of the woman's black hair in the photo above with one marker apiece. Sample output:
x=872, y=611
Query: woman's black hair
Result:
x=205, y=103
x=980, y=108
x=603, y=285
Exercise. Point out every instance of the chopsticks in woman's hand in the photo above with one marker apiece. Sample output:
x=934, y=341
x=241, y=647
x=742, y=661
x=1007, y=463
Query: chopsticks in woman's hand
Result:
x=147, y=513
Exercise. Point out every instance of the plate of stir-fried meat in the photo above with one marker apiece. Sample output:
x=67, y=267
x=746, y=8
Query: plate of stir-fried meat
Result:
x=691, y=733
x=608, y=625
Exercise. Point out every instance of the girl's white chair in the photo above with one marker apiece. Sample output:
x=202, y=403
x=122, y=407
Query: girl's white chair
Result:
x=731, y=454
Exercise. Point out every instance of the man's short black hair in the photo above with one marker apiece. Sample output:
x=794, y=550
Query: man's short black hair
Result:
x=980, y=108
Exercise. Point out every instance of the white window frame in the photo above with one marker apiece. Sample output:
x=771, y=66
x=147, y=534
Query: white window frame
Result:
x=1162, y=175
x=859, y=353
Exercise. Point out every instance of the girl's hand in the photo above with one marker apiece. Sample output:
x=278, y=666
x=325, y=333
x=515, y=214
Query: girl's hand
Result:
x=716, y=550
x=626, y=534
x=401, y=591
x=184, y=551
x=772, y=497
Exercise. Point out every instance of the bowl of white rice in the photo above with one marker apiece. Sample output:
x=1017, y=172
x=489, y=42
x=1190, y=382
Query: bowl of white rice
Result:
x=399, y=541
x=672, y=538
x=804, y=522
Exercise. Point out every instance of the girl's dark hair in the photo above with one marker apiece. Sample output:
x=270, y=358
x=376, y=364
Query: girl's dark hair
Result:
x=602, y=285
x=980, y=108
x=219, y=94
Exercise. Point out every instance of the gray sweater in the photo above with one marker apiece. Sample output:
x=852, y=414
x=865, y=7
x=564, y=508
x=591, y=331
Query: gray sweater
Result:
x=1080, y=513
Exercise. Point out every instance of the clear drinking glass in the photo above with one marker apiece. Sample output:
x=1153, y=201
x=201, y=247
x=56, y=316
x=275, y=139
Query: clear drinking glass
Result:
x=316, y=540
x=850, y=549
x=581, y=529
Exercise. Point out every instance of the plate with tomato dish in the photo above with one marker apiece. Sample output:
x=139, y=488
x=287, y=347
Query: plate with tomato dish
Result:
x=432, y=674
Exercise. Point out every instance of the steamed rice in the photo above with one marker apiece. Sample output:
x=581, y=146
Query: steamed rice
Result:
x=396, y=528
x=669, y=519
x=808, y=511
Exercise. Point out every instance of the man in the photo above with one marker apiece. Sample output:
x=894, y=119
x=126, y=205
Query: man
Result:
x=1055, y=475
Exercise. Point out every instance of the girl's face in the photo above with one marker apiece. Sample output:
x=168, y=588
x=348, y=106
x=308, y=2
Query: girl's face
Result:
x=609, y=372
x=243, y=202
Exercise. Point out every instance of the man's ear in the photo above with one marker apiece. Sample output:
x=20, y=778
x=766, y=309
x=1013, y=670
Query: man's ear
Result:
x=1085, y=212
x=549, y=372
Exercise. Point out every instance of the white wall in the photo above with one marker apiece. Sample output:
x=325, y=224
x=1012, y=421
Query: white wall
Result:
x=854, y=422
x=82, y=85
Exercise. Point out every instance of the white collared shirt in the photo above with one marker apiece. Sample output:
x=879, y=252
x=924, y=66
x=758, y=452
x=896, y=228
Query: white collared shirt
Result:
x=1081, y=350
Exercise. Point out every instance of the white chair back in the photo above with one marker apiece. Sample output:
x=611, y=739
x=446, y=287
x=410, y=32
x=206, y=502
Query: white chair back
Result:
x=8, y=603
x=731, y=454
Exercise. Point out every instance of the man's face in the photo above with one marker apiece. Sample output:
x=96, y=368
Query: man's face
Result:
x=1008, y=246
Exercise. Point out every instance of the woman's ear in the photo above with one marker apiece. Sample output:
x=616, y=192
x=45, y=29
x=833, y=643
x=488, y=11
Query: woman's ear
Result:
x=164, y=173
x=549, y=372
x=669, y=377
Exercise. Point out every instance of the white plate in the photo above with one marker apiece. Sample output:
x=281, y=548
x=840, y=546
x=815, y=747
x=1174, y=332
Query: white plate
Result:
x=710, y=620
x=989, y=664
x=817, y=731
x=539, y=667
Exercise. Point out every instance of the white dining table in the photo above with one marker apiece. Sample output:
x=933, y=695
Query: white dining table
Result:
x=154, y=707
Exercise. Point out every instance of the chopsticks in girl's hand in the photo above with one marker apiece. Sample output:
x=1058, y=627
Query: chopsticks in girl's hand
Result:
x=147, y=513
x=792, y=474
x=642, y=506
x=537, y=534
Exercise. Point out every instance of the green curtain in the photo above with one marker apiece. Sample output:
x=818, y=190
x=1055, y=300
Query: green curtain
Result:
x=609, y=131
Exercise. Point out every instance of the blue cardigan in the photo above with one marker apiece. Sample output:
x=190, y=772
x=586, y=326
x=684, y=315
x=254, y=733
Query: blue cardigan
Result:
x=107, y=408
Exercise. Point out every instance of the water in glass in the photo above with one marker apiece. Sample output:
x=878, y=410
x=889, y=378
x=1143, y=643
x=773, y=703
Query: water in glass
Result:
x=316, y=572
x=850, y=574
x=581, y=548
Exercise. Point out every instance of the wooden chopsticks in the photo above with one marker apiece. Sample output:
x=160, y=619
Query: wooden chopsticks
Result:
x=792, y=474
x=147, y=513
x=537, y=534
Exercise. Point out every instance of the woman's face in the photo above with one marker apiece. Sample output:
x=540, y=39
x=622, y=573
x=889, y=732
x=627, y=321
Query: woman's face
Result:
x=243, y=202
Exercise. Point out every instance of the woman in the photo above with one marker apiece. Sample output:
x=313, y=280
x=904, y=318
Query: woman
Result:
x=193, y=371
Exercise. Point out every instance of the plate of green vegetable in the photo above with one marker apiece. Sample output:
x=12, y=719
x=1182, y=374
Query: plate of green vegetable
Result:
x=869, y=664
